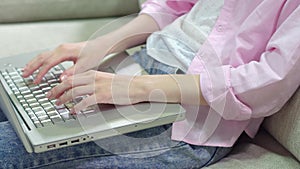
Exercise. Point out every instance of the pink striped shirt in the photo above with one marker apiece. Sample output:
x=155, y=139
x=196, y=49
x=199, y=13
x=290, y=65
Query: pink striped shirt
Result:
x=248, y=66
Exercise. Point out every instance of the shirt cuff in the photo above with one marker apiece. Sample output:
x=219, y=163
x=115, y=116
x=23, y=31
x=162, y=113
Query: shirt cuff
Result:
x=218, y=93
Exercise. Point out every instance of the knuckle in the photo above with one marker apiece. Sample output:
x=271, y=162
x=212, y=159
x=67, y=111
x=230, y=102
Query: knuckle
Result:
x=65, y=95
x=68, y=82
x=63, y=47
x=46, y=62
x=40, y=57
x=54, y=91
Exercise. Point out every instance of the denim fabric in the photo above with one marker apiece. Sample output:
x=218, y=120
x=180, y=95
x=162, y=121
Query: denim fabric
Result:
x=2, y=117
x=153, y=147
x=153, y=66
x=91, y=155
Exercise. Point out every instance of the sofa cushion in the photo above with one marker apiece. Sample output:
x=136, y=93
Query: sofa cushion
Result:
x=19, y=38
x=141, y=2
x=37, y=10
x=251, y=156
x=284, y=126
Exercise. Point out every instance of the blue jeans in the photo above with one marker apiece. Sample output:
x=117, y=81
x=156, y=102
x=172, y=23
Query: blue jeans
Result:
x=160, y=152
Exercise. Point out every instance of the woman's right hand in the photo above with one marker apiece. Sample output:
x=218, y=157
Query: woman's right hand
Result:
x=89, y=54
x=85, y=55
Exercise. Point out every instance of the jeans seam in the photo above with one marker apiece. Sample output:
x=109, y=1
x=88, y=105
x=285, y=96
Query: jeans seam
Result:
x=212, y=157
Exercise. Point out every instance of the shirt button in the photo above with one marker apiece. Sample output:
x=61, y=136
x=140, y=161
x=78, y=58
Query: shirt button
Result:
x=220, y=28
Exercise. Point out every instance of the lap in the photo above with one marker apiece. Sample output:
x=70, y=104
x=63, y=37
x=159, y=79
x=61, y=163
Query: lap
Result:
x=113, y=152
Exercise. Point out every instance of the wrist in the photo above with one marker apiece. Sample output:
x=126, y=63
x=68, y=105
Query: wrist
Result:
x=139, y=89
x=158, y=88
x=183, y=89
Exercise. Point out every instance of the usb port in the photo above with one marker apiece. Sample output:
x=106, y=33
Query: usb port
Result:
x=75, y=141
x=63, y=144
x=51, y=146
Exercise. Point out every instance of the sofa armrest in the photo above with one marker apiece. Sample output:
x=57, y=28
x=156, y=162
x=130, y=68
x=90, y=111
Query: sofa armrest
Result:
x=39, y=10
x=284, y=126
x=251, y=156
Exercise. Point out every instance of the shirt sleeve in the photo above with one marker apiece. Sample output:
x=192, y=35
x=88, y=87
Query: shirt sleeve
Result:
x=259, y=88
x=165, y=12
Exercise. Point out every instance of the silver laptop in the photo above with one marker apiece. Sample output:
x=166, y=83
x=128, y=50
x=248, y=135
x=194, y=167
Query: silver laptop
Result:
x=43, y=126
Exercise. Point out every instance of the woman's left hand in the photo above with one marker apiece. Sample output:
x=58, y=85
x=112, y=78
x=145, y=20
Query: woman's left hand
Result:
x=99, y=87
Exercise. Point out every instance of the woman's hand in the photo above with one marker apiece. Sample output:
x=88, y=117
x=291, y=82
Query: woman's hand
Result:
x=99, y=87
x=107, y=88
x=89, y=54
x=85, y=55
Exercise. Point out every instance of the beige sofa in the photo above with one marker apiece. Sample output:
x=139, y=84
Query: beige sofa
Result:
x=277, y=144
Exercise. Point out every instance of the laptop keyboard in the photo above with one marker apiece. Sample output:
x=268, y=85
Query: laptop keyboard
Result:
x=32, y=98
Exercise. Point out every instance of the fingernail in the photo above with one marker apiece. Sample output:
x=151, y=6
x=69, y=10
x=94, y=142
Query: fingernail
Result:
x=58, y=102
x=24, y=74
x=72, y=111
x=63, y=77
x=49, y=94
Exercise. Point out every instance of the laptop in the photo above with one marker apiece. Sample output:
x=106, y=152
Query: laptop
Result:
x=43, y=126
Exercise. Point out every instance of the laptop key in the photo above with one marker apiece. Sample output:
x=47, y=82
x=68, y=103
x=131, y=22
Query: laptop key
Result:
x=47, y=122
x=30, y=101
x=43, y=117
x=65, y=114
x=33, y=105
x=25, y=92
x=40, y=96
x=29, y=96
x=47, y=105
x=19, y=96
x=34, y=88
x=31, y=115
x=29, y=81
x=37, y=124
x=56, y=119
x=40, y=114
x=37, y=92
x=69, y=105
x=60, y=106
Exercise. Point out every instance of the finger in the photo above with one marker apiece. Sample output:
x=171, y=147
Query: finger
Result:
x=67, y=73
x=70, y=82
x=35, y=63
x=84, y=103
x=44, y=69
x=75, y=69
x=74, y=93
x=48, y=64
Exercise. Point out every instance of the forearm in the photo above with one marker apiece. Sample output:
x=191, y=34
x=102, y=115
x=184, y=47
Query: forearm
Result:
x=183, y=89
x=131, y=34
